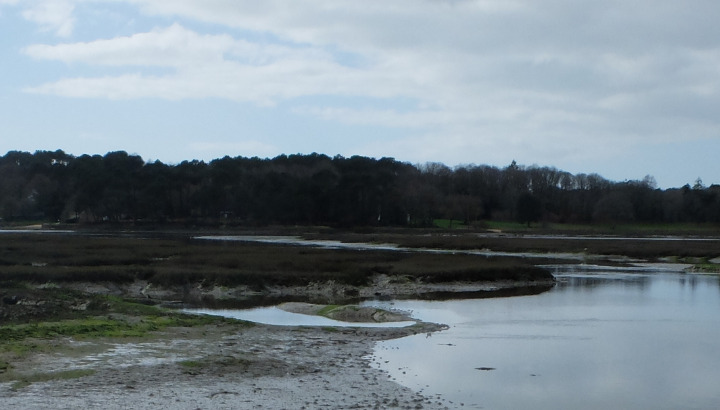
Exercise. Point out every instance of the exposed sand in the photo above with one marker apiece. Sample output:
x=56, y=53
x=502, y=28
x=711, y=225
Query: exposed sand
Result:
x=347, y=313
x=220, y=367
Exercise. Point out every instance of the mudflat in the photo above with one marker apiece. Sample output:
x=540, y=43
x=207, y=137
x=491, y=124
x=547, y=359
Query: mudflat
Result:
x=217, y=366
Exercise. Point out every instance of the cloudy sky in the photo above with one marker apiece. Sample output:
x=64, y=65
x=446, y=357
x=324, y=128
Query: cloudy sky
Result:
x=620, y=88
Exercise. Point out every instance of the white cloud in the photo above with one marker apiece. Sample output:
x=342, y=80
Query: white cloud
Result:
x=211, y=66
x=542, y=77
x=53, y=15
x=172, y=47
x=382, y=117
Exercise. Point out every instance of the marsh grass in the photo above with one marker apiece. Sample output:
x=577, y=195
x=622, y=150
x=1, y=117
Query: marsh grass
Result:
x=117, y=324
x=22, y=381
x=120, y=320
x=195, y=367
x=706, y=267
x=108, y=317
x=98, y=327
x=179, y=262
x=630, y=229
x=191, y=363
x=466, y=268
x=327, y=309
x=639, y=247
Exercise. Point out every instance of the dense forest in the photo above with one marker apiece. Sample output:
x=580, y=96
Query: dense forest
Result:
x=320, y=190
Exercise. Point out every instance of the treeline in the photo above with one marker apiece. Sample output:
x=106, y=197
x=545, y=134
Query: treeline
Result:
x=320, y=190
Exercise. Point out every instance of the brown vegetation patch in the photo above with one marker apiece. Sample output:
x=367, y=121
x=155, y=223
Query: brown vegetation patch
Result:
x=180, y=262
x=649, y=248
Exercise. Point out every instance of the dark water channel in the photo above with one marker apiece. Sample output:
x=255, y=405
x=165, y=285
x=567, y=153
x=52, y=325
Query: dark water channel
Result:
x=599, y=340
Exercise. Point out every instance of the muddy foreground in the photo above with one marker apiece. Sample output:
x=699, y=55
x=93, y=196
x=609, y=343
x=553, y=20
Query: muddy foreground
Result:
x=218, y=367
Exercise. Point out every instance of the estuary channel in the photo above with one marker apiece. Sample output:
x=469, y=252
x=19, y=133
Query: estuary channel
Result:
x=601, y=339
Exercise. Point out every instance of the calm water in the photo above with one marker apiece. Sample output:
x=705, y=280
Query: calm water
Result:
x=599, y=340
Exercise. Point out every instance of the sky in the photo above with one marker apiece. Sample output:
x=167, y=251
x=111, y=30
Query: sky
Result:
x=624, y=89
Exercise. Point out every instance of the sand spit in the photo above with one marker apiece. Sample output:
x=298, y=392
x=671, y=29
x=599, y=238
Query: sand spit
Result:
x=347, y=313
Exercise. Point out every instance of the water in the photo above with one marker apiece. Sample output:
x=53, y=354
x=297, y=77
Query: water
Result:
x=598, y=340
x=296, y=240
x=365, y=246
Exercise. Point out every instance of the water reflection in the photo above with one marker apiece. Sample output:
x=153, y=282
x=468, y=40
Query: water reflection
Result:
x=689, y=280
x=596, y=341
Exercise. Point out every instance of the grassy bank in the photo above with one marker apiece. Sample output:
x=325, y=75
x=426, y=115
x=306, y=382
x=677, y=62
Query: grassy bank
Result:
x=105, y=318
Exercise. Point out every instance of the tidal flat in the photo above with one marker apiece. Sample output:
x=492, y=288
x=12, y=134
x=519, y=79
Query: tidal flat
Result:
x=85, y=320
x=222, y=365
